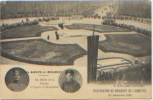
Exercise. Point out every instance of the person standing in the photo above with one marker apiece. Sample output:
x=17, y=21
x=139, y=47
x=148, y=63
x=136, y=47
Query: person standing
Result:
x=57, y=35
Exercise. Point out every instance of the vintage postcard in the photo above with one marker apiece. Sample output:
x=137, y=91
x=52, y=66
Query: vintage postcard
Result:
x=75, y=49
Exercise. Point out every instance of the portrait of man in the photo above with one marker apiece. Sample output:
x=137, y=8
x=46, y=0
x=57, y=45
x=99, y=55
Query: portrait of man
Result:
x=70, y=85
x=17, y=84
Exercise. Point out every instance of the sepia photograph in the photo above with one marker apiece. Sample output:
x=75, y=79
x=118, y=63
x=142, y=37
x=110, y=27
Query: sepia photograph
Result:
x=99, y=48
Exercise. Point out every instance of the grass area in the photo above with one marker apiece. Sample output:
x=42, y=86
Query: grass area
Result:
x=98, y=28
x=133, y=44
x=42, y=52
x=27, y=31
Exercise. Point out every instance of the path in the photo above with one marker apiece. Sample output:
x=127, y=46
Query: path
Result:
x=79, y=37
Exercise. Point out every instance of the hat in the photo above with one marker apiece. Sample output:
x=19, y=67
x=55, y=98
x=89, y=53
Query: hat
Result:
x=69, y=71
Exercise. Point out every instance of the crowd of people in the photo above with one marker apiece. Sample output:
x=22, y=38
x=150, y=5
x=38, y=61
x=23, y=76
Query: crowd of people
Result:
x=27, y=22
x=18, y=24
x=129, y=27
x=134, y=74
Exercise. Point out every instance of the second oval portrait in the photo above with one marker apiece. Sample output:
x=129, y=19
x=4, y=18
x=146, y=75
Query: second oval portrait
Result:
x=70, y=80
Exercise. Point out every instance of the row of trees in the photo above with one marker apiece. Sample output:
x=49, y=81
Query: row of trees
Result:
x=11, y=9
x=140, y=8
x=17, y=9
x=129, y=27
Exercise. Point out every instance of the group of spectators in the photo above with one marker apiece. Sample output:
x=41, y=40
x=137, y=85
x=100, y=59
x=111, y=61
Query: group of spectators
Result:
x=47, y=19
x=6, y=26
x=18, y=24
x=128, y=27
x=134, y=74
